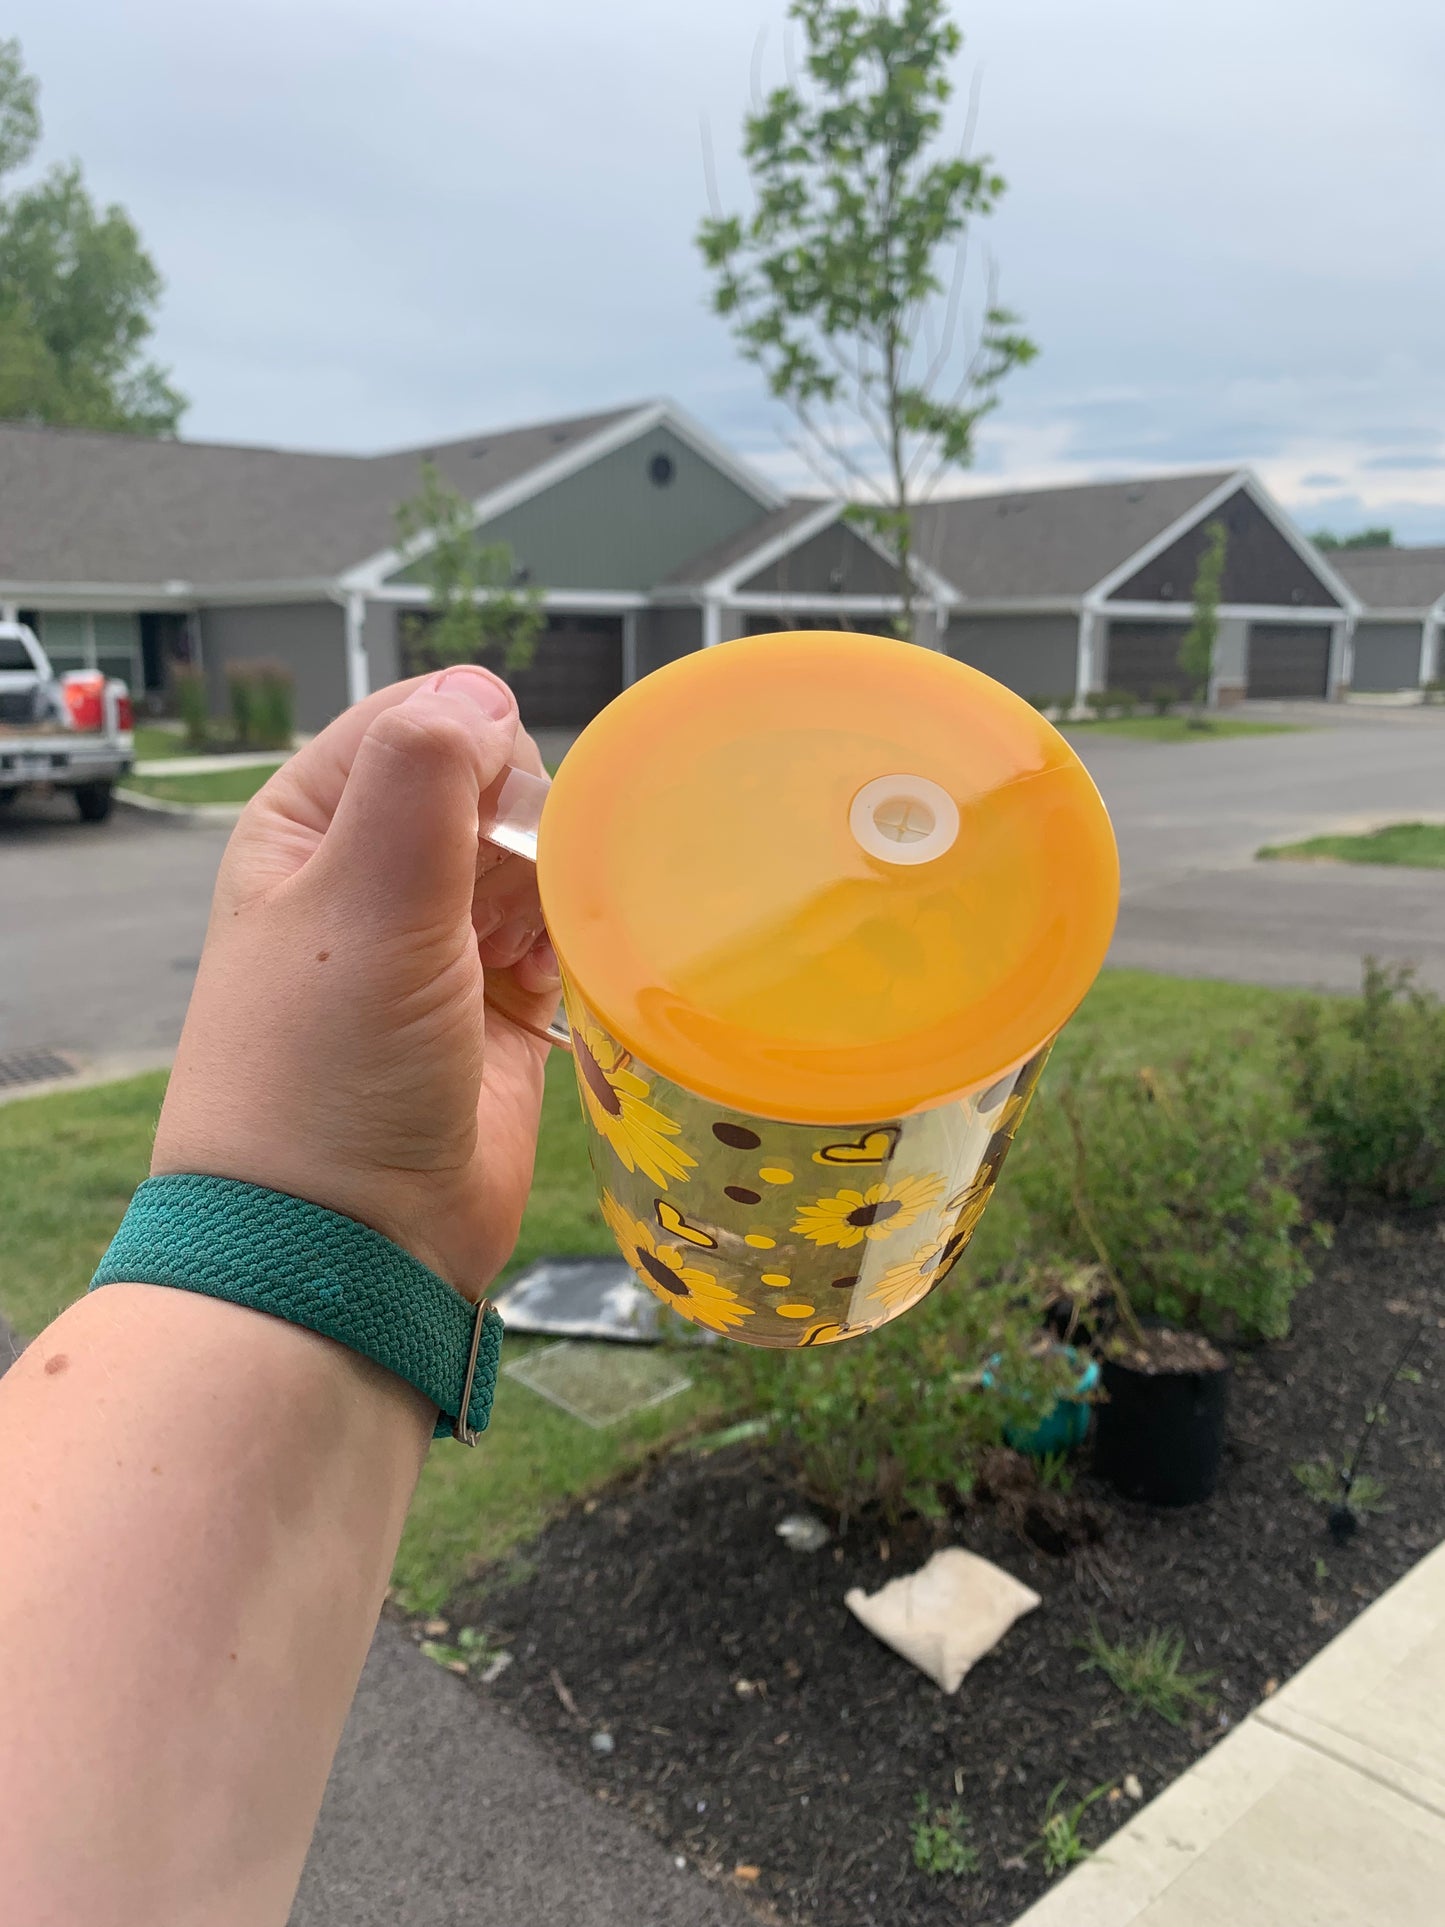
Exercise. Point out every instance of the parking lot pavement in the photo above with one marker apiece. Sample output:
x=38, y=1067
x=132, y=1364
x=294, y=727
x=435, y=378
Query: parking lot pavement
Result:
x=100, y=927
x=1189, y=818
x=101, y=924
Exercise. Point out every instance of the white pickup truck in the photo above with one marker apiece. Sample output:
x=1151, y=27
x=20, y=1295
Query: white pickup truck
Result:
x=70, y=732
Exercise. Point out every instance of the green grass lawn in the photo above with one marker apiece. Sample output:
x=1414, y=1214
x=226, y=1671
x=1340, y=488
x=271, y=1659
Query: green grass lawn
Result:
x=68, y=1163
x=1178, y=729
x=210, y=786
x=154, y=740
x=1419, y=846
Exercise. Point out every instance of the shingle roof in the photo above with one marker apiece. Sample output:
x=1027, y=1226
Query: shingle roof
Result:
x=711, y=562
x=1051, y=541
x=1392, y=578
x=78, y=506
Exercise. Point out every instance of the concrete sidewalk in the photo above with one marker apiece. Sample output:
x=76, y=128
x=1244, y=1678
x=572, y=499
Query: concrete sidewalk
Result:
x=1326, y=1808
x=203, y=765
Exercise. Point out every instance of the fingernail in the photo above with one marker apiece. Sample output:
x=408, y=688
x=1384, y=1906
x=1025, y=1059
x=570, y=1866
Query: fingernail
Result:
x=509, y=942
x=543, y=959
x=493, y=698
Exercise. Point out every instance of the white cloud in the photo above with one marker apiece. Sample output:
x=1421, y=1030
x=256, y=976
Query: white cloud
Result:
x=381, y=224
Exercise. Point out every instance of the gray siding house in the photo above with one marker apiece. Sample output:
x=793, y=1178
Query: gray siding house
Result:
x=1402, y=597
x=1066, y=590
x=647, y=539
x=644, y=536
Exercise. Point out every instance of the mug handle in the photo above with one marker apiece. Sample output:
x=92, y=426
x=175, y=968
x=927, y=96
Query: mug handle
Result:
x=514, y=829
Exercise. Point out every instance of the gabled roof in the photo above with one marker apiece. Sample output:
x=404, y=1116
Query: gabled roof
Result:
x=1402, y=579
x=78, y=506
x=1029, y=544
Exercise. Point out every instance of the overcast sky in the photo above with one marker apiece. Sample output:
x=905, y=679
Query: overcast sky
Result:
x=381, y=223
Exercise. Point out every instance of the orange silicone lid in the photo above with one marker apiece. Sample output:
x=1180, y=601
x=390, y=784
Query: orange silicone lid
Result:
x=710, y=901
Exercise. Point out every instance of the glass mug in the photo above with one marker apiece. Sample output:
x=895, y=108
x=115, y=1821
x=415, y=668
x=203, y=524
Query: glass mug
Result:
x=821, y=903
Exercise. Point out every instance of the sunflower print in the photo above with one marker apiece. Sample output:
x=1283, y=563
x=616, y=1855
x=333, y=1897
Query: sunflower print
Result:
x=903, y=1285
x=691, y=1291
x=615, y=1099
x=848, y=1217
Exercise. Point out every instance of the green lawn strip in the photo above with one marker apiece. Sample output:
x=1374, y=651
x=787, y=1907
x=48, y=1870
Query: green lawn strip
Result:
x=210, y=786
x=152, y=741
x=69, y=1162
x=1178, y=729
x=1419, y=846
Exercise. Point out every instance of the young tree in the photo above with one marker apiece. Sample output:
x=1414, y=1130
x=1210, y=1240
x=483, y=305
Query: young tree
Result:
x=1196, y=652
x=77, y=292
x=474, y=600
x=839, y=286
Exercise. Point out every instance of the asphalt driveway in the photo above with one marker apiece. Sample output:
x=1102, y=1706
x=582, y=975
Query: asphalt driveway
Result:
x=101, y=925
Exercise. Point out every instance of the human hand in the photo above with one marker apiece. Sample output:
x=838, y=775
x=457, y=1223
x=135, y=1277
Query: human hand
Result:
x=336, y=1046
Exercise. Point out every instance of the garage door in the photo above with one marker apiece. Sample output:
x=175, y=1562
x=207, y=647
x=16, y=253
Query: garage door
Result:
x=576, y=668
x=1288, y=659
x=1144, y=656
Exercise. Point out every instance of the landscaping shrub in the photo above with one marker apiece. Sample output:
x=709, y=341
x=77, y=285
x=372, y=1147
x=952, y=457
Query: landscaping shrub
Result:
x=1099, y=702
x=190, y=687
x=1122, y=702
x=1163, y=696
x=262, y=696
x=1370, y=1075
x=1178, y=1182
x=897, y=1420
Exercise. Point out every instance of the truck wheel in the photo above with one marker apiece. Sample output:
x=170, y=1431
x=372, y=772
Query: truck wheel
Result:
x=8, y=796
x=93, y=800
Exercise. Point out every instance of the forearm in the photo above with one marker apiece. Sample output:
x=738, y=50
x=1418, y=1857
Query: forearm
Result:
x=199, y=1508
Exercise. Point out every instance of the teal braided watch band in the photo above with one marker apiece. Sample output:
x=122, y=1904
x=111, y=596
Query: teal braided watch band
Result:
x=312, y=1267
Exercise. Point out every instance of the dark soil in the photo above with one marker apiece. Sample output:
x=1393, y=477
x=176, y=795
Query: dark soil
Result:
x=756, y=1725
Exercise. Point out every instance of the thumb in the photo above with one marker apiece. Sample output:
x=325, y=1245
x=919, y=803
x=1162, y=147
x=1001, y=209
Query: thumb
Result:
x=405, y=830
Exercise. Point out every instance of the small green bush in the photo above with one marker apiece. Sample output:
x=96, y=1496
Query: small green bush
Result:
x=1163, y=696
x=263, y=706
x=1122, y=702
x=897, y=1420
x=1370, y=1074
x=940, y=1840
x=190, y=687
x=1179, y=1183
x=1149, y=1672
x=1099, y=702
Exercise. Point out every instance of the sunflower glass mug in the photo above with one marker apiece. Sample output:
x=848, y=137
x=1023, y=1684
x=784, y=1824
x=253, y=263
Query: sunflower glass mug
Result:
x=821, y=903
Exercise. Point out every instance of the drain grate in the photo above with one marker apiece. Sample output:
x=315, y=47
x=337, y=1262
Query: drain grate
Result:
x=32, y=1067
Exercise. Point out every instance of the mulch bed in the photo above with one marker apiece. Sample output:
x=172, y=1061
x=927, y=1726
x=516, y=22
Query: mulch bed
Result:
x=755, y=1724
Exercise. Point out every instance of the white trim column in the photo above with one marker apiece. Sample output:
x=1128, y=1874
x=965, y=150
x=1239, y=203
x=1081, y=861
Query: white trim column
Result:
x=629, y=648
x=9, y=611
x=1430, y=646
x=711, y=623
x=1089, y=618
x=1341, y=671
x=358, y=670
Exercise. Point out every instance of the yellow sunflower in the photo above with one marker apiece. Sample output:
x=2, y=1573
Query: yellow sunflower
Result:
x=615, y=1099
x=848, y=1217
x=903, y=1285
x=694, y=1293
x=964, y=1227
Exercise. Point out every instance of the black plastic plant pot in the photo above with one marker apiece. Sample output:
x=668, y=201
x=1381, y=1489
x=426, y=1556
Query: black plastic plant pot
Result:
x=1160, y=1433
